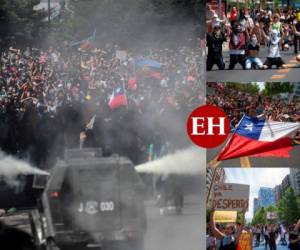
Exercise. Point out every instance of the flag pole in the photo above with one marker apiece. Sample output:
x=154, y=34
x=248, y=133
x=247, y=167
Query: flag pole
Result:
x=214, y=162
x=125, y=92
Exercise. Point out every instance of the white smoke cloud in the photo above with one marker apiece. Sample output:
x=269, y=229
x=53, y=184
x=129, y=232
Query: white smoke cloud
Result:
x=10, y=167
x=191, y=161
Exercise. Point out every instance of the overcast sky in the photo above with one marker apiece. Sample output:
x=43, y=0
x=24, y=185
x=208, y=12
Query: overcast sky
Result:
x=256, y=178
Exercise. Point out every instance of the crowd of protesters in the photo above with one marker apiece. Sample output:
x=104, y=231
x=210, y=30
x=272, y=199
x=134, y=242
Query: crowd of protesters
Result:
x=246, y=31
x=238, y=236
x=237, y=103
x=51, y=99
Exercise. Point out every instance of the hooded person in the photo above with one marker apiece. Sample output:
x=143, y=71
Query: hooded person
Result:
x=273, y=58
x=252, y=54
x=215, y=41
x=237, y=46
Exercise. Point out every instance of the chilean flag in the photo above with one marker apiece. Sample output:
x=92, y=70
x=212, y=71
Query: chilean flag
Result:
x=260, y=138
x=118, y=98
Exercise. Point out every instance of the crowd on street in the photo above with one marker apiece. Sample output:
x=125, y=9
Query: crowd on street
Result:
x=238, y=236
x=236, y=103
x=247, y=31
x=59, y=97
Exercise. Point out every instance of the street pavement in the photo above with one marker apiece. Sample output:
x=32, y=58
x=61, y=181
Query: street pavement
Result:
x=176, y=232
x=290, y=74
x=293, y=161
x=279, y=246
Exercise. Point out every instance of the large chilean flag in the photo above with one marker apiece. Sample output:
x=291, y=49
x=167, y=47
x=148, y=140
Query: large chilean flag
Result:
x=260, y=138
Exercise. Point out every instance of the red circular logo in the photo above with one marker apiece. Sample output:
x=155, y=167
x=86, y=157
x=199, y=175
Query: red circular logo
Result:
x=208, y=126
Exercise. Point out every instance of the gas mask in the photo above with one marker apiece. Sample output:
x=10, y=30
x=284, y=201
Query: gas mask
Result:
x=237, y=30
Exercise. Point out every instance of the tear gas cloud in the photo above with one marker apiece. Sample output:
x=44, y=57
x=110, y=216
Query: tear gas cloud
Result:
x=191, y=161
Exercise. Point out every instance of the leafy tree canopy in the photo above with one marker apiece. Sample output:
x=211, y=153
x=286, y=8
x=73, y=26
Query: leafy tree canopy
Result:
x=289, y=207
x=20, y=21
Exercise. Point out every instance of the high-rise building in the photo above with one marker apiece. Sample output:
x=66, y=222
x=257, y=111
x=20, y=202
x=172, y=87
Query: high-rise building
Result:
x=286, y=183
x=278, y=193
x=279, y=190
x=295, y=179
x=266, y=197
x=255, y=205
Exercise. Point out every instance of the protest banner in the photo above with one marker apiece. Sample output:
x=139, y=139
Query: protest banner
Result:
x=121, y=55
x=230, y=197
x=272, y=215
x=225, y=216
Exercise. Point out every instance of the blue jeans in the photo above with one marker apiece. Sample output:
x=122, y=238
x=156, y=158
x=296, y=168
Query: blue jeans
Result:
x=253, y=60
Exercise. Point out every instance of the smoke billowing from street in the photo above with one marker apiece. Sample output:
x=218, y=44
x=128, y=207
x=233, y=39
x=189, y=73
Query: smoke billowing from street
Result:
x=10, y=167
x=190, y=161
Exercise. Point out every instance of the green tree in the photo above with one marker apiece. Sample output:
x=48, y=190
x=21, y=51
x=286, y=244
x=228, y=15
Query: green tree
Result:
x=251, y=88
x=132, y=22
x=240, y=217
x=260, y=217
x=271, y=208
x=272, y=88
x=20, y=22
x=288, y=208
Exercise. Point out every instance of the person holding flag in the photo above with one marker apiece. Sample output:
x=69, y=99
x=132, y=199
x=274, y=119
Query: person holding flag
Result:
x=118, y=98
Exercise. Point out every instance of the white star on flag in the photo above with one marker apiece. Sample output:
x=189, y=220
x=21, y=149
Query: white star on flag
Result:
x=249, y=127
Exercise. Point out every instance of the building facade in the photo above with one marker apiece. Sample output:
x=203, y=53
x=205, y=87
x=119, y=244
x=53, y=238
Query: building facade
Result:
x=255, y=205
x=295, y=179
x=266, y=197
x=278, y=193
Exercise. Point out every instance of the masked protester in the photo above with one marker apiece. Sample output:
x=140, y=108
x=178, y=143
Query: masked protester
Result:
x=215, y=41
x=252, y=54
x=274, y=58
x=237, y=46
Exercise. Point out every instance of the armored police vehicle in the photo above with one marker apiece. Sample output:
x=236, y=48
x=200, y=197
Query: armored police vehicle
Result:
x=92, y=202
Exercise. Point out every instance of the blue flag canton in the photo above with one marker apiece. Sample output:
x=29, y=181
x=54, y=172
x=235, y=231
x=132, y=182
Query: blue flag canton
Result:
x=250, y=127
